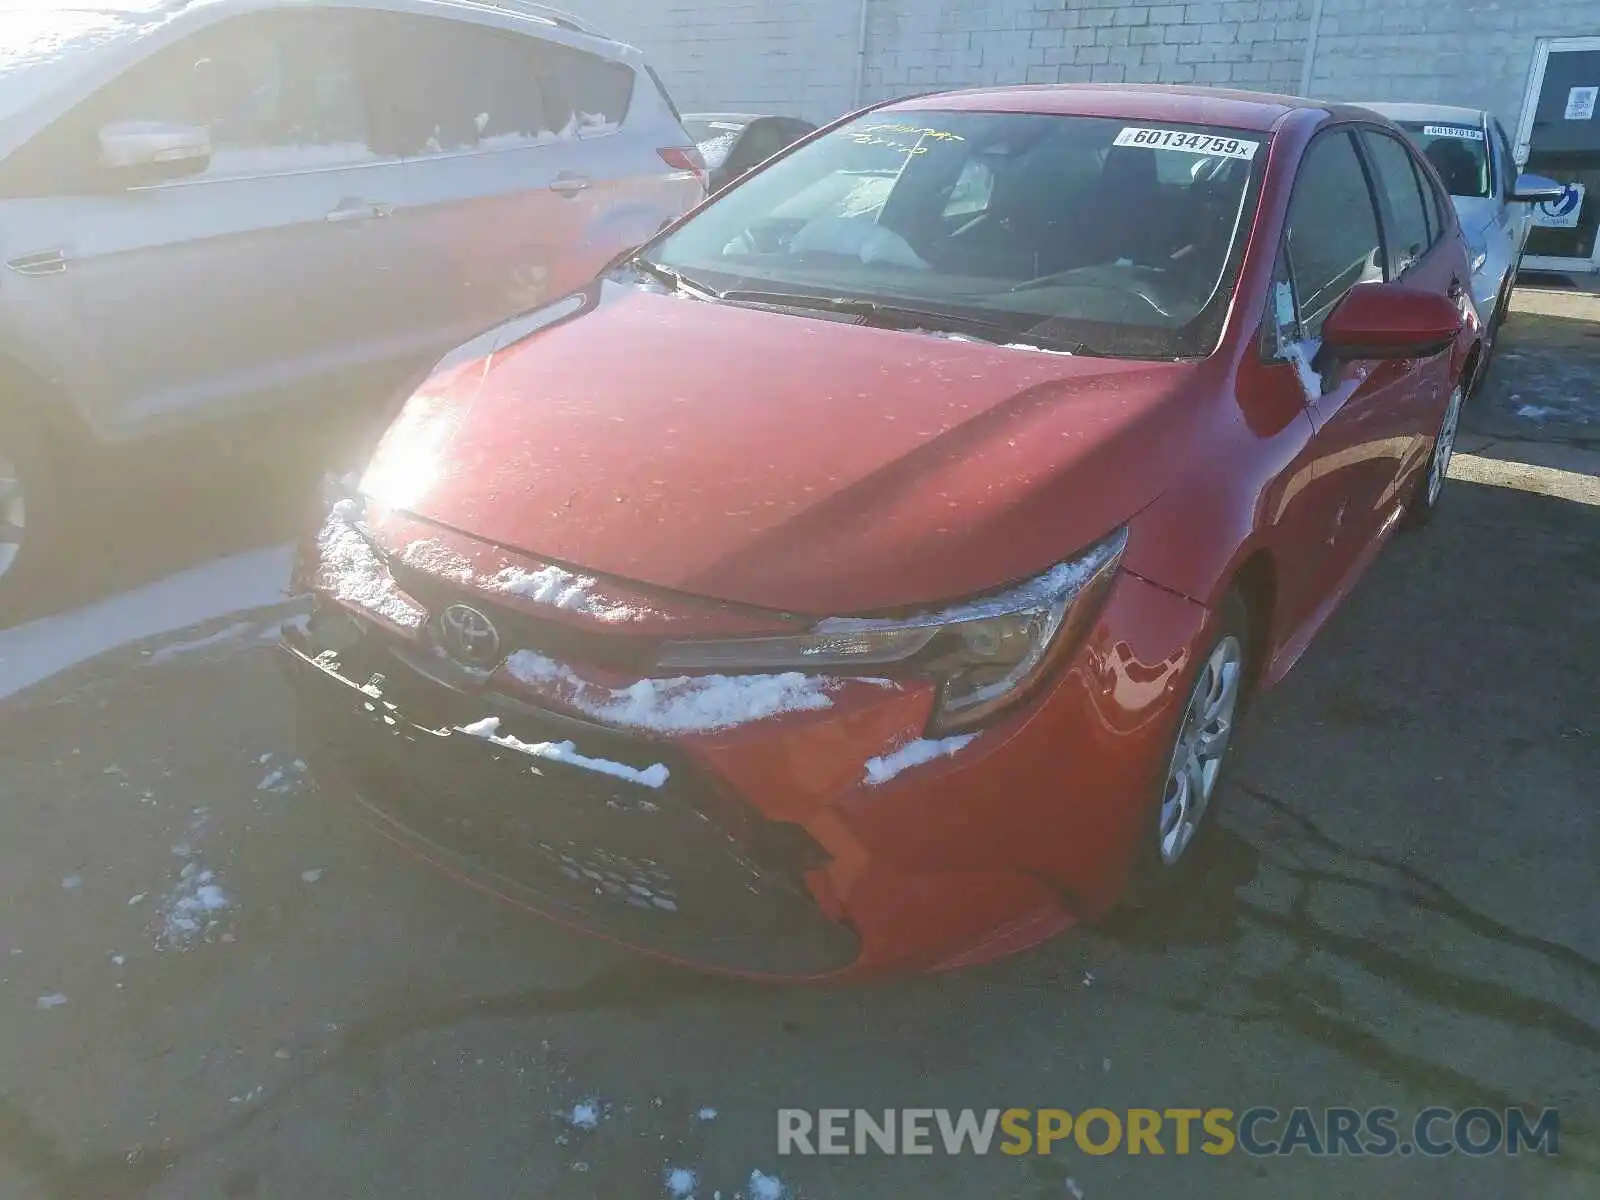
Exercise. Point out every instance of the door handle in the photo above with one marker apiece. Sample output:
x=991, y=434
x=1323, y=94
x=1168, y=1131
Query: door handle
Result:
x=358, y=211
x=569, y=185
x=48, y=262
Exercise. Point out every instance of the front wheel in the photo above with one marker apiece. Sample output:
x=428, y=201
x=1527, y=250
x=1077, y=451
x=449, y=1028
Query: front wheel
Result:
x=1192, y=771
x=1431, y=486
x=27, y=509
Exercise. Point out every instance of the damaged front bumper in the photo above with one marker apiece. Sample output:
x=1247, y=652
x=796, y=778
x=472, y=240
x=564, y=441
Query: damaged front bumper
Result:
x=680, y=870
x=800, y=845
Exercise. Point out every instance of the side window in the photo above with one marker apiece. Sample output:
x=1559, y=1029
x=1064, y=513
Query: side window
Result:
x=440, y=86
x=1441, y=211
x=974, y=186
x=445, y=86
x=598, y=89
x=1508, y=161
x=1402, y=187
x=759, y=142
x=1333, y=238
x=276, y=91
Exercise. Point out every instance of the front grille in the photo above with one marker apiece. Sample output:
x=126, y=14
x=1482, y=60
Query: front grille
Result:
x=610, y=648
x=683, y=869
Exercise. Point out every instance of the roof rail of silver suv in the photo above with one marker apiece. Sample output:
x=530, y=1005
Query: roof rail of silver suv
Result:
x=557, y=16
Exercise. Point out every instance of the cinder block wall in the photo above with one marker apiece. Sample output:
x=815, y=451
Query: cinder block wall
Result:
x=1473, y=52
x=802, y=57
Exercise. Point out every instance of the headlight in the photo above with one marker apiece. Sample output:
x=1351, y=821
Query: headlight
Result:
x=986, y=654
x=1477, y=252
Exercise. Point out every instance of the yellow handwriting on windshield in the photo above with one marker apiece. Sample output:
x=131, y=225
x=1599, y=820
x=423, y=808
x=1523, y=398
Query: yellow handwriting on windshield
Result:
x=938, y=135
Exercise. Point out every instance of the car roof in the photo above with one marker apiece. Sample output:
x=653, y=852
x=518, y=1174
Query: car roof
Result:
x=1450, y=114
x=1261, y=111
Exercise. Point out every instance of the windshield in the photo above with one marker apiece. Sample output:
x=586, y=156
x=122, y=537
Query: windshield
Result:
x=715, y=138
x=704, y=129
x=1458, y=152
x=1121, y=237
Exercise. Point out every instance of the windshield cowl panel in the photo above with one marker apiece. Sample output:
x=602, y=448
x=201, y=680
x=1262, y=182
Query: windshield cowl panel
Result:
x=1100, y=235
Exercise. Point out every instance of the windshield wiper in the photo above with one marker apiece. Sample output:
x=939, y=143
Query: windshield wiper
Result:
x=675, y=280
x=904, y=316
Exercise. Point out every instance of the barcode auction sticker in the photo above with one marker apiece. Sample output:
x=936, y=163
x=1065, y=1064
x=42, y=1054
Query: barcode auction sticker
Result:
x=1455, y=131
x=1189, y=143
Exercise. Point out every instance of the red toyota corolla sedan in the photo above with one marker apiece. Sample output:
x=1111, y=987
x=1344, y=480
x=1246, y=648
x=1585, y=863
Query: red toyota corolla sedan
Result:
x=868, y=574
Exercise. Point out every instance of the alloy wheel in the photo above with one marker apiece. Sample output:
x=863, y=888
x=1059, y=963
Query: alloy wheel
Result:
x=1444, y=447
x=13, y=513
x=1202, y=744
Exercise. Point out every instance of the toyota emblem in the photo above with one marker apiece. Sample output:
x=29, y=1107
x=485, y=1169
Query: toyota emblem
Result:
x=469, y=637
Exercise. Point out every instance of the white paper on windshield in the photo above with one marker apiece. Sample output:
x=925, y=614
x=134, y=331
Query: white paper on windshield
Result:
x=1453, y=131
x=1580, y=103
x=1190, y=143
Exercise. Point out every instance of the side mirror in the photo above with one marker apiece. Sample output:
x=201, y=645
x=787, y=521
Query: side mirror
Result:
x=1536, y=189
x=149, y=151
x=1389, y=320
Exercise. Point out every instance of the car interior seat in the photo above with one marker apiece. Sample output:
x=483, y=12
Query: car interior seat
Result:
x=1456, y=166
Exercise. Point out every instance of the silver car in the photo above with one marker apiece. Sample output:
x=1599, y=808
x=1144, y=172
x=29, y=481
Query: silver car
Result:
x=1469, y=149
x=214, y=208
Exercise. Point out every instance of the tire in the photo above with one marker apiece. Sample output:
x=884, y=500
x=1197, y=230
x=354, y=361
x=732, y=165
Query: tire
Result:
x=1430, y=484
x=28, y=510
x=1491, y=340
x=1167, y=857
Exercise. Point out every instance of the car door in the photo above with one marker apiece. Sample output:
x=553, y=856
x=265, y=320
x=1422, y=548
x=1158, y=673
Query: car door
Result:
x=495, y=187
x=1518, y=217
x=1425, y=252
x=257, y=280
x=1333, y=241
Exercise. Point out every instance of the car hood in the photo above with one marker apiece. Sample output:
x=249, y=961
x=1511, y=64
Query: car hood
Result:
x=794, y=463
x=1476, y=213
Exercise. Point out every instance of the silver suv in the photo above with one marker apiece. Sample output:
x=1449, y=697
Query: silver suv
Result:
x=215, y=208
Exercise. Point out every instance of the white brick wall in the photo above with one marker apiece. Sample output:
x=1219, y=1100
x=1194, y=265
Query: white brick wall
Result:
x=800, y=56
x=792, y=57
x=1473, y=52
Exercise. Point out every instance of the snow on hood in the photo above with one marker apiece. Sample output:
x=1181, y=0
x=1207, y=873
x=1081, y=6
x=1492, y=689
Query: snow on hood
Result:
x=350, y=570
x=684, y=704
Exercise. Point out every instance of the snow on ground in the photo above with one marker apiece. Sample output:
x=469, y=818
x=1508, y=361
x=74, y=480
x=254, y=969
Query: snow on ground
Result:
x=34, y=652
x=192, y=907
x=766, y=1187
x=280, y=779
x=680, y=1183
x=914, y=754
x=566, y=752
x=685, y=704
x=585, y=1115
x=233, y=634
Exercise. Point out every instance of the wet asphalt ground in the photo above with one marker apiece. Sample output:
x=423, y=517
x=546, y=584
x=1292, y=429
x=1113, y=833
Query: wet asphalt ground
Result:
x=216, y=982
